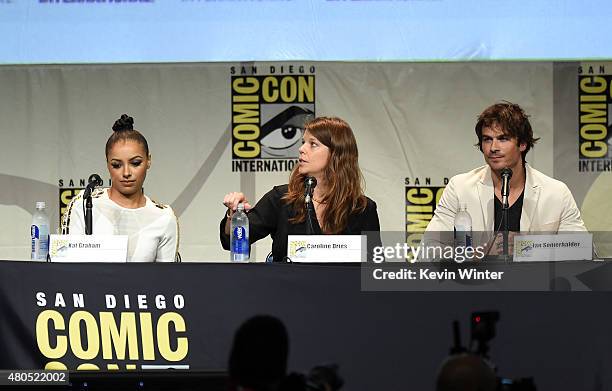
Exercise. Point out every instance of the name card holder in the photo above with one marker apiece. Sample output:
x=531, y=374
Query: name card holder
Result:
x=326, y=248
x=88, y=248
x=560, y=247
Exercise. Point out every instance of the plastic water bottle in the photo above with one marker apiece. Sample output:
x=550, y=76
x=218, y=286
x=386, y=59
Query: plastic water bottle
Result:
x=463, y=227
x=40, y=232
x=240, y=235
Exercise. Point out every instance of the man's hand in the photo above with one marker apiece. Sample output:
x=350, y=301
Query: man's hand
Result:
x=496, y=246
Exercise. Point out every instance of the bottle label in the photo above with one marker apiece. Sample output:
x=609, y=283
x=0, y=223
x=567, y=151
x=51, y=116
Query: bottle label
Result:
x=463, y=236
x=43, y=246
x=240, y=244
x=40, y=241
x=468, y=239
x=35, y=232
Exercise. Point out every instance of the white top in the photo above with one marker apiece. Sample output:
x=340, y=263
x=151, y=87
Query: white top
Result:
x=152, y=230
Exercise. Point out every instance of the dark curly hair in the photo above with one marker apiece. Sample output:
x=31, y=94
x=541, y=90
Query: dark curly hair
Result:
x=512, y=120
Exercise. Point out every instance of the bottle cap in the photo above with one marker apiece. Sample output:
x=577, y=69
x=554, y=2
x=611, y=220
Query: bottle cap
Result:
x=463, y=206
x=41, y=204
x=240, y=206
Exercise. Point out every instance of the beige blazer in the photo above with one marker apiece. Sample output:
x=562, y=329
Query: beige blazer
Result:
x=548, y=205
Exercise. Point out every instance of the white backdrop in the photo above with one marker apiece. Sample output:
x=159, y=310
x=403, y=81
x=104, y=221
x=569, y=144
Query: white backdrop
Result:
x=411, y=120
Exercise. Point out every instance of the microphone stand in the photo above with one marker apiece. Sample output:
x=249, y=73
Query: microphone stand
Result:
x=309, y=210
x=88, y=217
x=94, y=180
x=506, y=175
x=503, y=226
x=309, y=184
x=505, y=229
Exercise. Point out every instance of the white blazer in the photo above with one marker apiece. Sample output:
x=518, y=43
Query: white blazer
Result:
x=548, y=204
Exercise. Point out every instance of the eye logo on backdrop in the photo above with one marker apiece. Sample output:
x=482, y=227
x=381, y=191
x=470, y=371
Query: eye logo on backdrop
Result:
x=594, y=120
x=268, y=116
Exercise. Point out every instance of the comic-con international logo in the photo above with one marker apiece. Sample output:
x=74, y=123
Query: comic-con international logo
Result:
x=595, y=136
x=268, y=115
x=421, y=200
x=524, y=248
x=111, y=331
x=297, y=249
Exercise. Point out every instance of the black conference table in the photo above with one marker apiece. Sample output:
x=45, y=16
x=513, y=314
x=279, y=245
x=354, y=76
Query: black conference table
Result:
x=556, y=327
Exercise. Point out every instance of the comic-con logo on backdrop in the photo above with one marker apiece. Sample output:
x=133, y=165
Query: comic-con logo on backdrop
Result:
x=594, y=120
x=421, y=200
x=269, y=111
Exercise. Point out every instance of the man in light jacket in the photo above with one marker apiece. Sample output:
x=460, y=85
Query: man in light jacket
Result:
x=536, y=201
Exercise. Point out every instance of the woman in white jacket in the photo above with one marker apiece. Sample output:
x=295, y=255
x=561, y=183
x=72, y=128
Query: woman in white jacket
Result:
x=124, y=209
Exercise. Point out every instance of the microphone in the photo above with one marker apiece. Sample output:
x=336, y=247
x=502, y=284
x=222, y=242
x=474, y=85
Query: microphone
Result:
x=506, y=174
x=309, y=184
x=93, y=182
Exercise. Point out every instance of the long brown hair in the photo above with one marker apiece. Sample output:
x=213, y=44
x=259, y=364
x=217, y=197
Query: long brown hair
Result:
x=344, y=180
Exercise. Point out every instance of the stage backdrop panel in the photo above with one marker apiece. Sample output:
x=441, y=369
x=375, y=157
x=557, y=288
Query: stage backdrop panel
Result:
x=414, y=124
